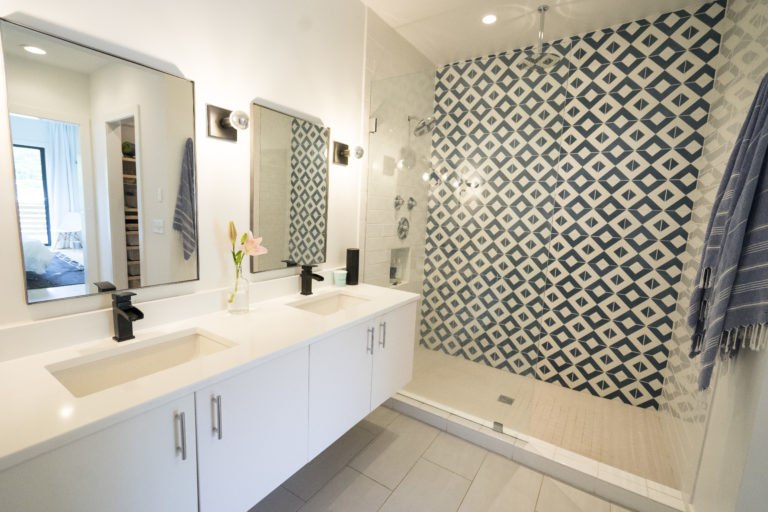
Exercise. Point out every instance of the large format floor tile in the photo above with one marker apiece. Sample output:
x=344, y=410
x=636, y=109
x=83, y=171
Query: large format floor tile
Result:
x=502, y=486
x=558, y=497
x=309, y=479
x=409, y=466
x=378, y=420
x=455, y=454
x=348, y=491
x=394, y=452
x=427, y=488
x=279, y=500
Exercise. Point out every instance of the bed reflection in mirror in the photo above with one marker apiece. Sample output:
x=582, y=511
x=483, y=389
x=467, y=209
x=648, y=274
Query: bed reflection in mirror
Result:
x=103, y=155
x=49, y=194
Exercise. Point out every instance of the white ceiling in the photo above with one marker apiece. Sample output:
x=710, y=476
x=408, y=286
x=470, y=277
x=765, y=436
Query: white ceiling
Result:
x=447, y=31
x=60, y=53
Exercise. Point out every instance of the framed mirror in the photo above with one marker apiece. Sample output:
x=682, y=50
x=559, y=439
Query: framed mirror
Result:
x=289, y=188
x=104, y=168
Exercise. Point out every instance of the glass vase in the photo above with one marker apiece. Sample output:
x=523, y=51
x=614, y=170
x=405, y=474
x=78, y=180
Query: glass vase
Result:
x=239, y=298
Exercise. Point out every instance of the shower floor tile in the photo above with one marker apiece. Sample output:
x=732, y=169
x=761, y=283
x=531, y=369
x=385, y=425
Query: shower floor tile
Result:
x=609, y=431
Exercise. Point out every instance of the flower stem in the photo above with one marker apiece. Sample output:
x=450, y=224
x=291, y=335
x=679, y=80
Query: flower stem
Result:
x=237, y=282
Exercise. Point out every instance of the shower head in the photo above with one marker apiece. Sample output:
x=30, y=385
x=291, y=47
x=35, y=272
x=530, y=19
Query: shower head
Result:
x=539, y=59
x=424, y=126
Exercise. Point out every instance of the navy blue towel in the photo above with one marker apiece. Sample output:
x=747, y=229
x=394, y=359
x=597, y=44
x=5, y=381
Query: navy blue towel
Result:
x=184, y=216
x=729, y=306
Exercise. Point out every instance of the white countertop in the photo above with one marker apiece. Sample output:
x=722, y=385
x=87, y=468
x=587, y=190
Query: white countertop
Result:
x=40, y=414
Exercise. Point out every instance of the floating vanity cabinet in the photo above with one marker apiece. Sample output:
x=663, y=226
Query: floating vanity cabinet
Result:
x=339, y=384
x=393, y=353
x=143, y=463
x=355, y=371
x=252, y=432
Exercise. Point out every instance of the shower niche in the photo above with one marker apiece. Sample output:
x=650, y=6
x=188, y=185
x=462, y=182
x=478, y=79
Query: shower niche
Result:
x=399, y=265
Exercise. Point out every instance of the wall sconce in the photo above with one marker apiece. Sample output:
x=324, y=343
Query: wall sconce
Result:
x=341, y=153
x=224, y=124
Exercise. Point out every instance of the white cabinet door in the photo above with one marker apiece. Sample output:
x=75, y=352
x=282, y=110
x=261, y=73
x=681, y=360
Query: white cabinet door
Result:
x=260, y=436
x=339, y=385
x=134, y=465
x=393, y=353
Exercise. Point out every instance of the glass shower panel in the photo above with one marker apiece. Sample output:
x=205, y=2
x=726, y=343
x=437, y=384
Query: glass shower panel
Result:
x=480, y=141
x=398, y=159
x=495, y=156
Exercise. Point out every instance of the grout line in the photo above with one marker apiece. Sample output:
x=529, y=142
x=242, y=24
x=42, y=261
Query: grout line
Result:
x=472, y=482
x=342, y=468
x=543, y=473
x=412, y=466
x=374, y=481
x=448, y=469
x=541, y=486
x=292, y=494
x=392, y=491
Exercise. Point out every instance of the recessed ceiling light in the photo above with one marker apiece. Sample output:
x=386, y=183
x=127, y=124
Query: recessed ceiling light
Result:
x=34, y=49
x=489, y=18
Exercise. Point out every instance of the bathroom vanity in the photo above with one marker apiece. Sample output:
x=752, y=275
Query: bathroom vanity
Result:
x=207, y=414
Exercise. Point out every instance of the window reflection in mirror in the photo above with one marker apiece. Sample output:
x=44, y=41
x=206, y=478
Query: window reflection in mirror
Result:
x=289, y=201
x=103, y=154
x=49, y=194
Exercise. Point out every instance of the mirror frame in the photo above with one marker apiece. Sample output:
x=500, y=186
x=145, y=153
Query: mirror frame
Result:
x=265, y=104
x=13, y=166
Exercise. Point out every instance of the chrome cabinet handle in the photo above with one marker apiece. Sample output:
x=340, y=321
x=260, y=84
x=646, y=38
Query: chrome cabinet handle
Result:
x=179, y=416
x=369, y=342
x=383, y=334
x=216, y=404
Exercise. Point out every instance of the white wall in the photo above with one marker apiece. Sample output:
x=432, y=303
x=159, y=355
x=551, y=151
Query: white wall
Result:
x=304, y=54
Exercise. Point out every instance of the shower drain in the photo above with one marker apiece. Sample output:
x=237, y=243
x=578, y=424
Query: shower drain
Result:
x=506, y=399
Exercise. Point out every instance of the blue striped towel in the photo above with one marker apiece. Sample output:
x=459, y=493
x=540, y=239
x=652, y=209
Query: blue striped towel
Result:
x=184, y=215
x=729, y=306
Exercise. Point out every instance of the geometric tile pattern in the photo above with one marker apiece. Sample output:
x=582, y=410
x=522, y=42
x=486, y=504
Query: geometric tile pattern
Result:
x=555, y=233
x=309, y=192
x=740, y=66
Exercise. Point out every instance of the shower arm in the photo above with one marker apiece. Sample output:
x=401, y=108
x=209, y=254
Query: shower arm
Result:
x=542, y=11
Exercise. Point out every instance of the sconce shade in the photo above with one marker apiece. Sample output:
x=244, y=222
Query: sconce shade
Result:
x=237, y=120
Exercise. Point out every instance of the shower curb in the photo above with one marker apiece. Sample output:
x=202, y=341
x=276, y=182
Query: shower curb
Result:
x=609, y=483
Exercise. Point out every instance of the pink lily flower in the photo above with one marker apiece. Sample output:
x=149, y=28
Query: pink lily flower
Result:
x=252, y=246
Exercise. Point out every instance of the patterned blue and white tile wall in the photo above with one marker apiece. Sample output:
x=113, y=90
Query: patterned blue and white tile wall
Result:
x=308, y=193
x=556, y=230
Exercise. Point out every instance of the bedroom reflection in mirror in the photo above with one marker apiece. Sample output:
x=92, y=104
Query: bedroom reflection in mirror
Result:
x=49, y=192
x=104, y=169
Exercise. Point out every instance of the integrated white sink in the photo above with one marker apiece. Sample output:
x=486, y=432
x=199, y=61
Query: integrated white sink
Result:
x=85, y=375
x=329, y=304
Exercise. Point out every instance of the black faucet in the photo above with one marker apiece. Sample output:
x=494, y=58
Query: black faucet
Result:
x=123, y=315
x=306, y=279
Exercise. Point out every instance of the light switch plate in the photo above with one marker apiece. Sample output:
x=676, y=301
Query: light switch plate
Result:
x=158, y=226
